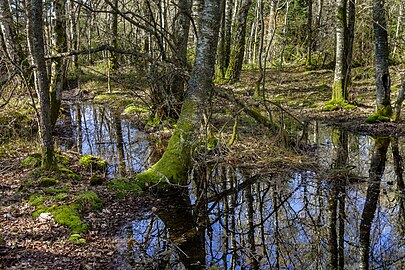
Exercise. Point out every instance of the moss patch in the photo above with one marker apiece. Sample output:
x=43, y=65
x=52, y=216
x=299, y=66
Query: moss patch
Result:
x=48, y=182
x=93, y=163
x=375, y=118
x=133, y=108
x=96, y=180
x=66, y=215
x=334, y=105
x=77, y=239
x=32, y=161
x=124, y=184
x=89, y=200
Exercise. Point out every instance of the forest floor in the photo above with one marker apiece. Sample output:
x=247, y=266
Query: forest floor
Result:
x=28, y=242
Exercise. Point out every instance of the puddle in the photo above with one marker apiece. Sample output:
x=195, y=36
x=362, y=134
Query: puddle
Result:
x=97, y=131
x=347, y=218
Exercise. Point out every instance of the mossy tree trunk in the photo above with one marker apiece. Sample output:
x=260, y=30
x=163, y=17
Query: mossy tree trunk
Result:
x=238, y=48
x=59, y=66
x=36, y=48
x=176, y=160
x=382, y=75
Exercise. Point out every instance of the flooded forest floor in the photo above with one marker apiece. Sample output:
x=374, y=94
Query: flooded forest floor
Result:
x=78, y=218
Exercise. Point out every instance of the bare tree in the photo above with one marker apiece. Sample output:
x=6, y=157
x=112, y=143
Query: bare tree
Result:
x=36, y=49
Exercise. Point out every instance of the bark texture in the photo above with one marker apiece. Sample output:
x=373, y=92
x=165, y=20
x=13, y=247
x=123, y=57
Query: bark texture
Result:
x=339, y=92
x=59, y=65
x=382, y=75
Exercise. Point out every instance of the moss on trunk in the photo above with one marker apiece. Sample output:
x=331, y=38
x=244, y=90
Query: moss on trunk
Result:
x=174, y=164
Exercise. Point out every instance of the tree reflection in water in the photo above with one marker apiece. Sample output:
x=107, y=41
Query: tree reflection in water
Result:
x=298, y=221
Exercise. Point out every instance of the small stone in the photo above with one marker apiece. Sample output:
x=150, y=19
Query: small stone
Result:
x=45, y=216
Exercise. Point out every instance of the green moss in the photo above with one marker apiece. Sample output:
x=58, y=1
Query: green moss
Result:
x=62, y=159
x=77, y=239
x=66, y=215
x=133, y=108
x=212, y=143
x=124, y=184
x=89, y=200
x=53, y=191
x=120, y=195
x=61, y=197
x=93, y=163
x=96, y=180
x=334, y=105
x=375, y=118
x=74, y=176
x=64, y=170
x=32, y=161
x=175, y=162
x=47, y=182
x=37, y=199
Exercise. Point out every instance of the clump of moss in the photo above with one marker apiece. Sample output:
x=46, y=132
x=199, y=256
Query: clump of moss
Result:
x=61, y=197
x=124, y=184
x=74, y=176
x=96, y=180
x=37, y=199
x=89, y=200
x=47, y=182
x=77, y=239
x=53, y=191
x=334, y=105
x=375, y=118
x=133, y=108
x=61, y=158
x=32, y=161
x=93, y=163
x=212, y=143
x=64, y=170
x=66, y=215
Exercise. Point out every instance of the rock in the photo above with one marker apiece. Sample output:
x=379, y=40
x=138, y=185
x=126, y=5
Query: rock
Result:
x=45, y=216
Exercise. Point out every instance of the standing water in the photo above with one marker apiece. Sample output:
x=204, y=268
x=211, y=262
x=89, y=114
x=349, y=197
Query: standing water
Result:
x=97, y=131
x=350, y=214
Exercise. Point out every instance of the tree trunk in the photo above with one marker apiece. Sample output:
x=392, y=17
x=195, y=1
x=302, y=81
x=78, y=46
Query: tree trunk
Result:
x=349, y=43
x=382, y=75
x=225, y=38
x=239, y=40
x=12, y=48
x=59, y=66
x=180, y=41
x=339, y=93
x=176, y=160
x=400, y=99
x=36, y=47
x=309, y=38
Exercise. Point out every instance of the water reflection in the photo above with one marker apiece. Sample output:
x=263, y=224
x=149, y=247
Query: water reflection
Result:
x=351, y=218
x=98, y=131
